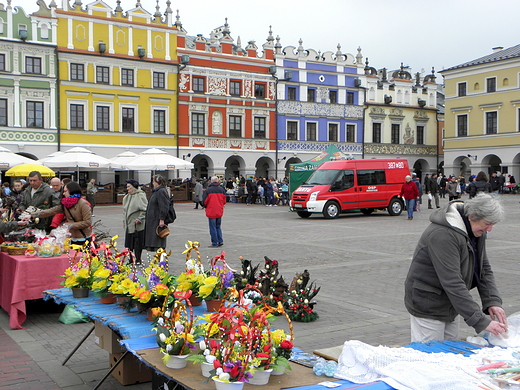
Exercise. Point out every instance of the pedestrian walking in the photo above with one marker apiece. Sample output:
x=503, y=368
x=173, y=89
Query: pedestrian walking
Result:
x=91, y=193
x=197, y=194
x=214, y=199
x=409, y=193
x=134, y=213
x=156, y=213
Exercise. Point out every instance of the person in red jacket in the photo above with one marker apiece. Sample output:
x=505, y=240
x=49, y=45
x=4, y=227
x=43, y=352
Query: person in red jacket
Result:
x=214, y=200
x=409, y=193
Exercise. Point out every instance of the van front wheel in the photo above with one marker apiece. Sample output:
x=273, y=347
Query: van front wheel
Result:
x=331, y=210
x=395, y=207
x=303, y=214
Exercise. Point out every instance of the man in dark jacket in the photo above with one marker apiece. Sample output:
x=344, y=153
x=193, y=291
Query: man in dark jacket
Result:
x=214, y=199
x=495, y=183
x=432, y=188
x=450, y=260
x=39, y=195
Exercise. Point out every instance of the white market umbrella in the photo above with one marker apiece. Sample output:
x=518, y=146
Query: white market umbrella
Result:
x=77, y=158
x=9, y=159
x=156, y=160
x=119, y=161
x=54, y=154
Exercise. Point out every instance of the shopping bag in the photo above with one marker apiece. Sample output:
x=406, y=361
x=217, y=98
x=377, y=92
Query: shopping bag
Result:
x=72, y=316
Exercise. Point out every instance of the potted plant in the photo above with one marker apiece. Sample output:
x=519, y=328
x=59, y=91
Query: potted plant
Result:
x=282, y=346
x=80, y=276
x=216, y=284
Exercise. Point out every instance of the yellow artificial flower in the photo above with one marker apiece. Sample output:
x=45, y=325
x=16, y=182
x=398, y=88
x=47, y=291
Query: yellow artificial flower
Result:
x=209, y=285
x=127, y=285
x=162, y=289
x=145, y=296
x=102, y=273
x=70, y=282
x=99, y=285
x=83, y=273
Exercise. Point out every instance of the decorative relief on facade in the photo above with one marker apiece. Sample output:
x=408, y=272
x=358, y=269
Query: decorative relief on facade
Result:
x=120, y=38
x=322, y=94
x=421, y=116
x=27, y=136
x=229, y=143
x=216, y=122
x=235, y=110
x=248, y=88
x=320, y=109
x=272, y=91
x=396, y=113
x=395, y=150
x=295, y=146
x=235, y=143
x=217, y=86
x=260, y=112
x=185, y=79
x=377, y=111
x=260, y=144
x=199, y=107
x=35, y=94
x=4, y=46
x=408, y=136
x=80, y=33
x=159, y=44
x=198, y=142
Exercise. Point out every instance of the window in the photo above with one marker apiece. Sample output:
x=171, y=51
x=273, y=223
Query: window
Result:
x=462, y=125
x=33, y=65
x=462, y=89
x=491, y=122
x=159, y=121
x=234, y=88
x=235, y=126
x=491, y=84
x=344, y=181
x=127, y=118
x=77, y=72
x=420, y=135
x=44, y=31
x=260, y=91
x=2, y=61
x=198, y=84
x=158, y=80
x=333, y=132
x=127, y=77
x=395, y=134
x=197, y=124
x=102, y=74
x=291, y=93
x=102, y=118
x=292, y=130
x=350, y=97
x=259, y=125
x=376, y=133
x=371, y=177
x=351, y=133
x=311, y=95
x=333, y=97
x=3, y=112
x=35, y=114
x=311, y=131
x=77, y=117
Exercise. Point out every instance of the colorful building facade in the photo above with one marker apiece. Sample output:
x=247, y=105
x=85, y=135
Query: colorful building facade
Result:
x=226, y=104
x=401, y=117
x=482, y=119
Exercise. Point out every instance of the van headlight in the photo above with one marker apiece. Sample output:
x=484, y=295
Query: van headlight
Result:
x=314, y=196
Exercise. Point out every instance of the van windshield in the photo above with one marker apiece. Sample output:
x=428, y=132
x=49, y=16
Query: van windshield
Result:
x=323, y=177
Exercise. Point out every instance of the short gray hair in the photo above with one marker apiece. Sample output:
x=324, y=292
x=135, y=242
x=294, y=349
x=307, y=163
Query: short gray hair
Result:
x=214, y=179
x=484, y=206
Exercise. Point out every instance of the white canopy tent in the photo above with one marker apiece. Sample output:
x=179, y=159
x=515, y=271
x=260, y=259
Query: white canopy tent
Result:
x=76, y=158
x=9, y=159
x=156, y=160
x=119, y=161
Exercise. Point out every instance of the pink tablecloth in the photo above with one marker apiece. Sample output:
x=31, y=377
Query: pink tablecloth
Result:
x=23, y=278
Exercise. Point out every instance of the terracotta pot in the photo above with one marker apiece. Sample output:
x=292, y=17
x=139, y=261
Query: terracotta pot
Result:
x=109, y=299
x=213, y=305
x=228, y=386
x=80, y=292
x=149, y=315
x=194, y=300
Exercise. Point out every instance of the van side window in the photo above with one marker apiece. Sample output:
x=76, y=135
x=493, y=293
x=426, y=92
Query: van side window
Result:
x=371, y=177
x=344, y=181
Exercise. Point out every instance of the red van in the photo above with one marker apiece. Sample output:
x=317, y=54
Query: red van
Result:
x=338, y=186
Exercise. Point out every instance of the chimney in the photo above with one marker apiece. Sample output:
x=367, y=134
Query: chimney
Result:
x=497, y=49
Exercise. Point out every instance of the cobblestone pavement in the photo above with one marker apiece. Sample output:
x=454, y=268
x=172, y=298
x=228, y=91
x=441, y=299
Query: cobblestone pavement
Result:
x=359, y=261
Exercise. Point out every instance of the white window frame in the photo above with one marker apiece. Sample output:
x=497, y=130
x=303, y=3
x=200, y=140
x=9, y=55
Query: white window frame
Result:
x=85, y=112
x=242, y=121
x=297, y=130
x=355, y=131
x=166, y=119
x=338, y=128
x=317, y=131
x=94, y=116
x=136, y=117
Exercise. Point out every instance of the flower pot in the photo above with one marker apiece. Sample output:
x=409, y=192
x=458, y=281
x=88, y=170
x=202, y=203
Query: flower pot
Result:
x=149, y=315
x=213, y=305
x=279, y=371
x=80, y=292
x=194, y=300
x=109, y=299
x=260, y=377
x=177, y=361
x=228, y=386
x=206, y=368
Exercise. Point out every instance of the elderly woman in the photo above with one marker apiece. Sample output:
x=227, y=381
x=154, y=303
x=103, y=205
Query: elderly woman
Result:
x=410, y=193
x=450, y=260
x=77, y=213
x=134, y=212
x=156, y=213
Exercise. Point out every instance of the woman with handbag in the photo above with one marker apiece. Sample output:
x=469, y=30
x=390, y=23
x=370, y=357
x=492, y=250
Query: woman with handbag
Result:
x=134, y=212
x=77, y=213
x=156, y=214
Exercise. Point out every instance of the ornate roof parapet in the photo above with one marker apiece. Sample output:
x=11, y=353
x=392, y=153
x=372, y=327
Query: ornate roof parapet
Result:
x=169, y=16
x=370, y=71
x=157, y=15
x=278, y=46
x=118, y=9
x=431, y=77
x=268, y=46
x=311, y=55
x=401, y=74
x=251, y=49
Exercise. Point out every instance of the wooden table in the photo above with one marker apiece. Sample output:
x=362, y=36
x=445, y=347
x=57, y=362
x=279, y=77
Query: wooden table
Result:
x=23, y=278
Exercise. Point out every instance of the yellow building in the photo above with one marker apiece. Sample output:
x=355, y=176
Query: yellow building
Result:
x=482, y=119
x=118, y=79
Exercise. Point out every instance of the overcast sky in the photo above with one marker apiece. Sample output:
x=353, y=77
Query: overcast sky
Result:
x=421, y=34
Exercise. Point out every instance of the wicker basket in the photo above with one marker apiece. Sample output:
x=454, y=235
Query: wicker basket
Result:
x=3, y=248
x=16, y=250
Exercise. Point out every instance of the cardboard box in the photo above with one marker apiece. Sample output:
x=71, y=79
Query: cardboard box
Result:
x=107, y=339
x=130, y=371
